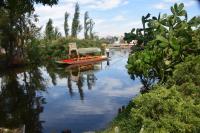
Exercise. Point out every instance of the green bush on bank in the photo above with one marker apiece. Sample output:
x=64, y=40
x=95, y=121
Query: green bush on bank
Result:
x=171, y=54
x=172, y=38
x=173, y=107
x=58, y=49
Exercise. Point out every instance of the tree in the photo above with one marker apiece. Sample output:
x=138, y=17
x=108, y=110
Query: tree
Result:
x=173, y=107
x=49, y=30
x=91, y=27
x=15, y=13
x=66, y=26
x=57, y=34
x=86, y=25
x=173, y=37
x=76, y=27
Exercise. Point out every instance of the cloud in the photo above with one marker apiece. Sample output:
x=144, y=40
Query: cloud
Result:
x=107, y=4
x=115, y=87
x=107, y=21
x=56, y=13
x=161, y=6
x=116, y=28
x=98, y=4
x=119, y=18
x=190, y=3
x=165, y=4
x=125, y=2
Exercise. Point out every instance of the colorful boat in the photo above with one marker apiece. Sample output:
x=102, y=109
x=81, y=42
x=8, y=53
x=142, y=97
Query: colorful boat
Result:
x=83, y=55
x=82, y=60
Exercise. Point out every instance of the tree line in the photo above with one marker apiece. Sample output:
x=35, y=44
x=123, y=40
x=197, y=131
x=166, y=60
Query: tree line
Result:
x=76, y=27
x=21, y=38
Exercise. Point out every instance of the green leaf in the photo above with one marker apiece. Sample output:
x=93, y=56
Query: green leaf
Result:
x=174, y=44
x=181, y=6
x=163, y=45
x=161, y=38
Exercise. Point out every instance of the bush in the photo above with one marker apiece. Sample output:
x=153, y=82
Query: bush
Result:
x=58, y=49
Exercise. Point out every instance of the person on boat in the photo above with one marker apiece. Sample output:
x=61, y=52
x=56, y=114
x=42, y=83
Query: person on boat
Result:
x=107, y=52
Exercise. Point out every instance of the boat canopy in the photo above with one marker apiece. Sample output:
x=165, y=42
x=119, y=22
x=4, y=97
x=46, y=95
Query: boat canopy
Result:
x=89, y=50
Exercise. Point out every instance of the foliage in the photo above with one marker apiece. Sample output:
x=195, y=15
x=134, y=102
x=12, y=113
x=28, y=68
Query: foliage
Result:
x=25, y=5
x=86, y=25
x=91, y=26
x=66, y=26
x=76, y=27
x=171, y=38
x=20, y=105
x=49, y=30
x=58, y=49
x=171, y=54
x=173, y=107
x=17, y=22
x=142, y=35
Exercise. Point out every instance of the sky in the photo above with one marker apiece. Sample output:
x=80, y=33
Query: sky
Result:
x=111, y=17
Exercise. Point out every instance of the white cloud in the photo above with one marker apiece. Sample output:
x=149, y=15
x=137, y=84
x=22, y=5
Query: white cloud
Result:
x=119, y=18
x=165, y=4
x=190, y=3
x=99, y=4
x=56, y=12
x=116, y=28
x=125, y=2
x=103, y=25
x=107, y=4
x=161, y=6
x=99, y=21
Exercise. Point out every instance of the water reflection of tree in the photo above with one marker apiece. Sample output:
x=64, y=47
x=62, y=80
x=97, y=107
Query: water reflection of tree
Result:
x=19, y=103
x=77, y=74
x=80, y=84
x=69, y=83
x=147, y=82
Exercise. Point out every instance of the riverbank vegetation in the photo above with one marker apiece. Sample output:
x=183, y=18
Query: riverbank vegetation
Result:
x=167, y=59
x=25, y=43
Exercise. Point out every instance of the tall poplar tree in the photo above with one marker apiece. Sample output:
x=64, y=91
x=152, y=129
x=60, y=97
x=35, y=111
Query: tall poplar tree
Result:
x=86, y=25
x=56, y=34
x=66, y=26
x=91, y=27
x=49, y=30
x=76, y=27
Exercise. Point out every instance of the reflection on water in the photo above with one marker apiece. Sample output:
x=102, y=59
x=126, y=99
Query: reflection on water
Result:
x=75, y=98
x=76, y=74
x=19, y=104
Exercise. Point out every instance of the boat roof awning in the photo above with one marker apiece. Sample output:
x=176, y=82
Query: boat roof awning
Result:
x=89, y=50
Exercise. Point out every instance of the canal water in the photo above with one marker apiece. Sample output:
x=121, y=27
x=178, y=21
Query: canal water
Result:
x=53, y=99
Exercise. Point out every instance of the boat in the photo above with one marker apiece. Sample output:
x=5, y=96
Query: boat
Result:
x=82, y=60
x=82, y=56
